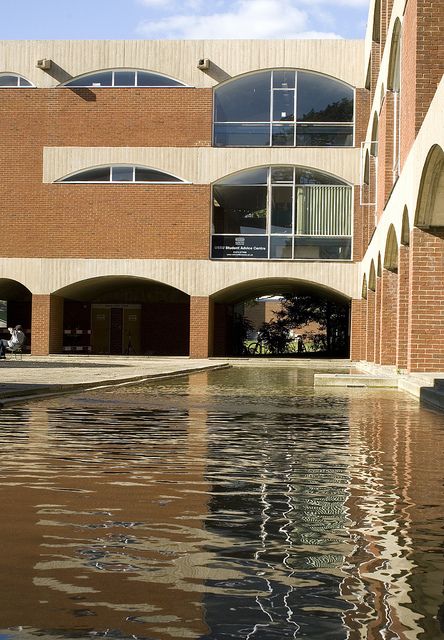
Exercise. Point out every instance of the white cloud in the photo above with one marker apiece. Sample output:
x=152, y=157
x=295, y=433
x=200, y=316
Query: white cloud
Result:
x=244, y=19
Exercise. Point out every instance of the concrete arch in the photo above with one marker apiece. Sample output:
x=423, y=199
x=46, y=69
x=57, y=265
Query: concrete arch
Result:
x=376, y=23
x=405, y=228
x=381, y=96
x=11, y=289
x=391, y=250
x=15, y=306
x=372, y=277
x=275, y=286
x=91, y=288
x=366, y=170
x=393, y=74
x=430, y=202
x=122, y=315
x=364, y=287
x=379, y=266
x=374, y=135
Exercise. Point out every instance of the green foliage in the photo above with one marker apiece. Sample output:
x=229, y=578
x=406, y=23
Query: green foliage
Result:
x=276, y=336
x=298, y=312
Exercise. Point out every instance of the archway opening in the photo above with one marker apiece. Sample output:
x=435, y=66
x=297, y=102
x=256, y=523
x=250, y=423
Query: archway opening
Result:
x=15, y=308
x=281, y=317
x=123, y=315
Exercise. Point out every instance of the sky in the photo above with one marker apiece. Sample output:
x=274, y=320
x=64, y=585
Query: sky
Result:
x=178, y=19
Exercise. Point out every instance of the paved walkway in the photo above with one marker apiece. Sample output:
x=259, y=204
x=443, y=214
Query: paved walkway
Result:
x=32, y=376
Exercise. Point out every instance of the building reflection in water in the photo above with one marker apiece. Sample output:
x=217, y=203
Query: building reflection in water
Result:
x=223, y=505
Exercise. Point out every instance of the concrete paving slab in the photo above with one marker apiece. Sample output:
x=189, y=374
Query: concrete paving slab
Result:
x=41, y=376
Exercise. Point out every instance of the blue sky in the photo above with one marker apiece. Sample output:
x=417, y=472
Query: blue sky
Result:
x=159, y=19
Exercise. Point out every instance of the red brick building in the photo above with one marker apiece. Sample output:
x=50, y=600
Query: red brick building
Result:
x=149, y=187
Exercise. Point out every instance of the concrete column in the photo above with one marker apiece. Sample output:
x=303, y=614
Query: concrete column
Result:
x=426, y=294
x=201, y=327
x=388, y=317
x=46, y=325
x=402, y=304
x=358, y=329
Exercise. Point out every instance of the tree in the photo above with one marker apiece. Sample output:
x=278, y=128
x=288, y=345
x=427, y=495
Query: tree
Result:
x=331, y=316
x=297, y=312
x=275, y=335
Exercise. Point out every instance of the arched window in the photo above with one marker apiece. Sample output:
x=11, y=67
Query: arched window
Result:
x=283, y=108
x=120, y=174
x=12, y=81
x=282, y=212
x=123, y=78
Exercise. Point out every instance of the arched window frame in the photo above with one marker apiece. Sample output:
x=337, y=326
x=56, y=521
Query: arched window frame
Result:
x=22, y=82
x=311, y=227
x=347, y=127
x=68, y=179
x=174, y=82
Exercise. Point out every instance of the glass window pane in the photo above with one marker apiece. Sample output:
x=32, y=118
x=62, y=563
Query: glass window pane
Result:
x=318, y=135
x=249, y=177
x=281, y=247
x=246, y=99
x=124, y=78
x=283, y=79
x=151, y=175
x=323, y=99
x=9, y=81
x=322, y=248
x=283, y=106
x=24, y=83
x=122, y=174
x=282, y=136
x=91, y=175
x=281, y=209
x=102, y=79
x=282, y=174
x=309, y=176
x=146, y=79
x=242, y=135
x=239, y=209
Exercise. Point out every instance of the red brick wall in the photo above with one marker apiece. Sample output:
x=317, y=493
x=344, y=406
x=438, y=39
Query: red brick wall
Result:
x=377, y=333
x=408, y=81
x=385, y=152
x=430, y=54
x=402, y=307
x=108, y=221
x=113, y=221
x=388, y=317
x=426, y=326
x=358, y=329
x=201, y=327
x=99, y=117
x=370, y=327
x=47, y=325
x=362, y=114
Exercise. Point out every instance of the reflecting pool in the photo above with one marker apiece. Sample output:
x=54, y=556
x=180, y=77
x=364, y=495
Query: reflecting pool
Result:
x=241, y=503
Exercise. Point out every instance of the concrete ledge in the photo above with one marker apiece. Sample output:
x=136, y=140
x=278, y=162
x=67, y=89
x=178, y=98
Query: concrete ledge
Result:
x=354, y=380
x=21, y=386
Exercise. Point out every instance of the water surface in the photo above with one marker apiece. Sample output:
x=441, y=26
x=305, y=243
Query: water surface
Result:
x=230, y=504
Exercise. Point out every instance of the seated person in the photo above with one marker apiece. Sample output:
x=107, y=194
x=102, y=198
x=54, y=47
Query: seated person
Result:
x=16, y=340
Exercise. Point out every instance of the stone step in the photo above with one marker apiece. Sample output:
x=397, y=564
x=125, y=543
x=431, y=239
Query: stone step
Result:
x=354, y=380
x=433, y=397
